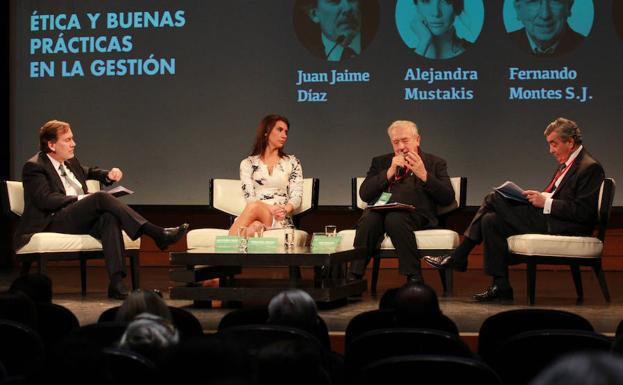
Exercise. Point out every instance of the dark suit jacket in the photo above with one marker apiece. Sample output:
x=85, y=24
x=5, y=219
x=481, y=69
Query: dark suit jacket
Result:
x=310, y=35
x=569, y=41
x=437, y=191
x=574, y=209
x=44, y=193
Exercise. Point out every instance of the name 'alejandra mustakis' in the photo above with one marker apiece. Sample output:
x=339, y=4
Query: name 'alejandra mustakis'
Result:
x=432, y=75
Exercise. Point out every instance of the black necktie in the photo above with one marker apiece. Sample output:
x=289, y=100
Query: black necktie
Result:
x=70, y=181
x=348, y=53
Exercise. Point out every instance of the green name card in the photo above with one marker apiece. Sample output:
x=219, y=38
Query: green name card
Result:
x=263, y=244
x=325, y=243
x=227, y=242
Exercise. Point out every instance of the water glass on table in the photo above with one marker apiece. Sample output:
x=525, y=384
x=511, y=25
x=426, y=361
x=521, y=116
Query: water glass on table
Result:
x=288, y=236
x=330, y=230
x=242, y=238
x=258, y=232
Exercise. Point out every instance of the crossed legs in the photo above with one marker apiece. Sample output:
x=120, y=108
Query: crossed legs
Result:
x=255, y=215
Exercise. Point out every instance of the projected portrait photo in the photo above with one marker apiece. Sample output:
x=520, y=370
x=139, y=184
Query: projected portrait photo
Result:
x=548, y=27
x=439, y=29
x=336, y=30
x=617, y=15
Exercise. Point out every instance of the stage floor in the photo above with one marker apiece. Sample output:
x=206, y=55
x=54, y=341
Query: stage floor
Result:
x=554, y=290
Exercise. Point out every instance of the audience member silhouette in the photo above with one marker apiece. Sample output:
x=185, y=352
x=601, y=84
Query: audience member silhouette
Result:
x=151, y=336
x=288, y=362
x=583, y=369
x=18, y=307
x=209, y=360
x=388, y=299
x=416, y=305
x=143, y=301
x=294, y=308
x=35, y=285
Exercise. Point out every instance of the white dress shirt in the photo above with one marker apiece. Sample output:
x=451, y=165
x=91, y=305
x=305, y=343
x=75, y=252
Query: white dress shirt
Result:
x=547, y=208
x=70, y=190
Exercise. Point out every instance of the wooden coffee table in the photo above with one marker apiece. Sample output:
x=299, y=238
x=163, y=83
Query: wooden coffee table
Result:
x=191, y=267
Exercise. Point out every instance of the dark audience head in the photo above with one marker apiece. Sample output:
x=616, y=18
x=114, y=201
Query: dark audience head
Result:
x=294, y=308
x=416, y=302
x=150, y=335
x=594, y=368
x=388, y=299
x=35, y=285
x=18, y=307
x=290, y=362
x=209, y=359
x=49, y=132
x=143, y=301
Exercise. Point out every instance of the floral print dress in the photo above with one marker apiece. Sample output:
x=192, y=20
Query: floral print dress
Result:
x=283, y=186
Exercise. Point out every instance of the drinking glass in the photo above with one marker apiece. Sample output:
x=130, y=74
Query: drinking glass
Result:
x=330, y=230
x=243, y=238
x=258, y=232
x=288, y=236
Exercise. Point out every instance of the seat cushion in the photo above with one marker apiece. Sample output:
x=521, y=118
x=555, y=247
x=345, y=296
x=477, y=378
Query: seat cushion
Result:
x=435, y=239
x=200, y=238
x=555, y=245
x=58, y=242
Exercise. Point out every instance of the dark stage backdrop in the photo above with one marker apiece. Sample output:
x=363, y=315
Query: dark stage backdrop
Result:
x=171, y=91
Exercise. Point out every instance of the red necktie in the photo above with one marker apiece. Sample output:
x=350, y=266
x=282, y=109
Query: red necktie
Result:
x=550, y=186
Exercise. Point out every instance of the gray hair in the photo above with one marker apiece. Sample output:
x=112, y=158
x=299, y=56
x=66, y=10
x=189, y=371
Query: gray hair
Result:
x=142, y=301
x=566, y=129
x=292, y=308
x=403, y=123
x=149, y=332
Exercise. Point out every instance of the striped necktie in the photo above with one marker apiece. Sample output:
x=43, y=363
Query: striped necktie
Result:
x=70, y=181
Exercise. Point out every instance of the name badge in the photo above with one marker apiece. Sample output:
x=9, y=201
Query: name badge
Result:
x=227, y=242
x=325, y=243
x=262, y=244
x=383, y=199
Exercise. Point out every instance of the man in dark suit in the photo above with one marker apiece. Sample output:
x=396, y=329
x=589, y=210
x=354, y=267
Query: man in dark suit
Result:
x=567, y=206
x=56, y=199
x=336, y=30
x=546, y=31
x=406, y=176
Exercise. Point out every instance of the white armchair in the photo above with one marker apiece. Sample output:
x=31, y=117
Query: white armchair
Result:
x=575, y=251
x=430, y=242
x=48, y=246
x=226, y=196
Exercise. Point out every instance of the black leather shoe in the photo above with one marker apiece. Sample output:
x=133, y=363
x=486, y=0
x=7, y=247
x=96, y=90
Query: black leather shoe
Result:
x=171, y=235
x=117, y=290
x=495, y=294
x=446, y=262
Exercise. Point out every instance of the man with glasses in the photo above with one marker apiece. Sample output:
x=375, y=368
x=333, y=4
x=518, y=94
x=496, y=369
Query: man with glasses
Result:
x=546, y=31
x=407, y=176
